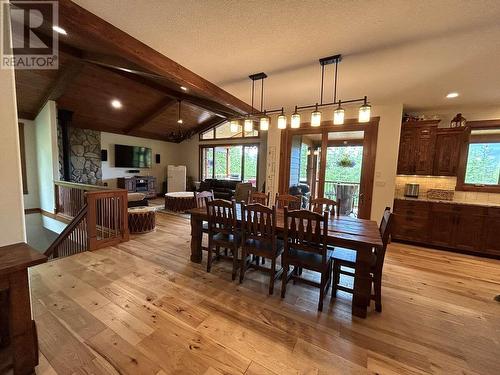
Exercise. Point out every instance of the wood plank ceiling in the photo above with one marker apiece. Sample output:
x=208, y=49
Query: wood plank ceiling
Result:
x=99, y=63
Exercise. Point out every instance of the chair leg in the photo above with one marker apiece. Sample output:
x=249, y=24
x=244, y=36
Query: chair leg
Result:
x=209, y=257
x=243, y=265
x=377, y=286
x=336, y=279
x=322, y=291
x=235, y=263
x=284, y=280
x=273, y=274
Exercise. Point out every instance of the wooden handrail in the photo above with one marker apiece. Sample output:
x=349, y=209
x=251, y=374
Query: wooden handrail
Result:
x=53, y=250
x=77, y=185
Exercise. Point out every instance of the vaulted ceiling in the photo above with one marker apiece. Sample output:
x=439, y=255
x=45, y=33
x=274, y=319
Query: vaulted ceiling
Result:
x=411, y=52
x=99, y=63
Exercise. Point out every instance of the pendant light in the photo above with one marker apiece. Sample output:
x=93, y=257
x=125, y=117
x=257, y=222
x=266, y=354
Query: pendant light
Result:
x=295, y=119
x=282, y=120
x=364, y=111
x=316, y=117
x=338, y=115
x=248, y=125
x=235, y=126
x=179, y=118
x=264, y=122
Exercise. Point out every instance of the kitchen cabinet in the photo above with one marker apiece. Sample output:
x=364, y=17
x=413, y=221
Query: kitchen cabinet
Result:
x=416, y=147
x=447, y=151
x=462, y=227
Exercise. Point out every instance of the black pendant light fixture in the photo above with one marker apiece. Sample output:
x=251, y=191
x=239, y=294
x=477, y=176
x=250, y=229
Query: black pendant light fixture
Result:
x=364, y=113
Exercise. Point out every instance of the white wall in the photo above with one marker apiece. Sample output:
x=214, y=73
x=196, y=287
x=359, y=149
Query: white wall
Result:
x=11, y=198
x=32, y=199
x=47, y=155
x=170, y=153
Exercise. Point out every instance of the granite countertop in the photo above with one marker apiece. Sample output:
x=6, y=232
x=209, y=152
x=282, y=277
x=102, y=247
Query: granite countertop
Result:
x=425, y=199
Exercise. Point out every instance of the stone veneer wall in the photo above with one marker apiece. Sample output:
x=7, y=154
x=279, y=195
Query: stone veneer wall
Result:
x=85, y=163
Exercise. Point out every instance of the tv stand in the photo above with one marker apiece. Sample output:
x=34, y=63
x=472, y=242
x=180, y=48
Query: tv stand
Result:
x=139, y=184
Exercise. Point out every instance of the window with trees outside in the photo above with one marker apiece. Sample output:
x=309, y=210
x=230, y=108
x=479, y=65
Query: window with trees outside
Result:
x=483, y=164
x=230, y=162
x=226, y=131
x=479, y=169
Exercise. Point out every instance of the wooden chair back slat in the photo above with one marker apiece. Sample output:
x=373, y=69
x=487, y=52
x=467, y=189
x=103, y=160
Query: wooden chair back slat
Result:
x=201, y=198
x=385, y=232
x=259, y=197
x=293, y=202
x=306, y=230
x=259, y=223
x=320, y=205
x=221, y=216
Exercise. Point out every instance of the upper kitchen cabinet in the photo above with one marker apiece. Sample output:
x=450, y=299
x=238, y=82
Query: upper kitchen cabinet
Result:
x=416, y=147
x=447, y=151
x=425, y=149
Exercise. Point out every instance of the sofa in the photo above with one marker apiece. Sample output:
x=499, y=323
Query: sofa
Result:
x=223, y=189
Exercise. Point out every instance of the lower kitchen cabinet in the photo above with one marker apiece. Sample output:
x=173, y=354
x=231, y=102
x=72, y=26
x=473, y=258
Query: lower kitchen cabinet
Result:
x=470, y=228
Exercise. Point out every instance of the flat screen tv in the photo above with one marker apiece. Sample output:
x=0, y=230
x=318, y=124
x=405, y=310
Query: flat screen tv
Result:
x=133, y=156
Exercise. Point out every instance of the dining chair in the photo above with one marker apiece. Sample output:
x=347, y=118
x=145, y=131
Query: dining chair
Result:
x=222, y=231
x=305, y=237
x=259, y=239
x=259, y=197
x=242, y=191
x=320, y=205
x=293, y=202
x=347, y=258
x=200, y=199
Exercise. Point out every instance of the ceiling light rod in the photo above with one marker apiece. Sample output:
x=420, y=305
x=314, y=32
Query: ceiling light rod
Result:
x=331, y=103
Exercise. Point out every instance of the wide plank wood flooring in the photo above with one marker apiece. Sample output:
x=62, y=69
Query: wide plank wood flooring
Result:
x=143, y=308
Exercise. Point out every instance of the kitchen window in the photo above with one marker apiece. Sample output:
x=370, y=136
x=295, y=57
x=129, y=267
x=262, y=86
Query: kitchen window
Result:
x=479, y=168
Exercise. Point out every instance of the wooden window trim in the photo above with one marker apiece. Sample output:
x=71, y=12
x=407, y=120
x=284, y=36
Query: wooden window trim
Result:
x=464, y=154
x=226, y=138
x=243, y=145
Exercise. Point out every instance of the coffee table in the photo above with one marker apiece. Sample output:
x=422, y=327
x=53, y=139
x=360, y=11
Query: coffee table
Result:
x=141, y=219
x=180, y=201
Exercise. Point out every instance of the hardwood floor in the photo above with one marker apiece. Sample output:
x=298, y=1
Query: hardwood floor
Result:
x=143, y=308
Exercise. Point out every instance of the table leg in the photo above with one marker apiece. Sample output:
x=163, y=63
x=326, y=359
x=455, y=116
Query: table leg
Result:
x=362, y=283
x=196, y=238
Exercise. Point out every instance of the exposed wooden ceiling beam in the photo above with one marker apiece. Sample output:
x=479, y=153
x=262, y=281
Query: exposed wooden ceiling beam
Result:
x=151, y=115
x=75, y=19
x=63, y=80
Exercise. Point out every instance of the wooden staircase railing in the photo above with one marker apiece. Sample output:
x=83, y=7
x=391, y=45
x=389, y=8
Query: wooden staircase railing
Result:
x=73, y=239
x=70, y=197
x=101, y=221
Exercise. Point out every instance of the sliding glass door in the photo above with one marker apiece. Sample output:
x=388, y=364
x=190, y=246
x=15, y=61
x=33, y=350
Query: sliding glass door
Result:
x=230, y=162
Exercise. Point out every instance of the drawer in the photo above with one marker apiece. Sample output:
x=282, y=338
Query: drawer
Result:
x=494, y=212
x=410, y=228
x=409, y=207
x=467, y=209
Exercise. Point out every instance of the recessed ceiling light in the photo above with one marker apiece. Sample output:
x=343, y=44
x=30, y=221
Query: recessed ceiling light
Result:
x=452, y=95
x=59, y=30
x=184, y=88
x=115, y=103
x=179, y=121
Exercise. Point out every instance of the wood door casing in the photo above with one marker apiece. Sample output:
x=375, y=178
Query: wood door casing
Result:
x=369, y=152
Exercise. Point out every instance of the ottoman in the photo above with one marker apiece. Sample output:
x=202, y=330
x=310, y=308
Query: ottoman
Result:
x=141, y=219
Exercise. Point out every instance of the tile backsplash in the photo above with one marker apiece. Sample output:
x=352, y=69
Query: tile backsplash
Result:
x=446, y=183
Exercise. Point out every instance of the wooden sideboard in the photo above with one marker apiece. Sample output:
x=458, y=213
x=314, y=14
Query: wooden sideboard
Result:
x=139, y=184
x=18, y=338
x=461, y=227
x=425, y=149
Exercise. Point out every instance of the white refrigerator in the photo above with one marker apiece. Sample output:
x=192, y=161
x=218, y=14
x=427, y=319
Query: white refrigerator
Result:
x=176, y=178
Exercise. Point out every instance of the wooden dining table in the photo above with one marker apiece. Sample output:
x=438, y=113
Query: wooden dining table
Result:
x=343, y=231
